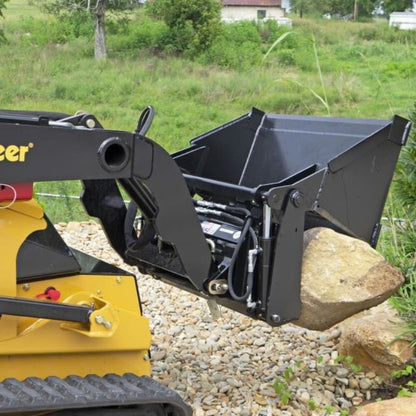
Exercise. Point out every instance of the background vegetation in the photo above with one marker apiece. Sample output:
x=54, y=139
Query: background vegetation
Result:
x=318, y=67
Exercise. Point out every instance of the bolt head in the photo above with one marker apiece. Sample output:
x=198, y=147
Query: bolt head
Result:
x=275, y=318
x=90, y=123
x=297, y=199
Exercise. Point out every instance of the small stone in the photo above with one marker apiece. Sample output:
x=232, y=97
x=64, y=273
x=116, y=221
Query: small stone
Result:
x=343, y=381
x=215, y=361
x=158, y=355
x=199, y=412
x=349, y=393
x=259, y=342
x=365, y=383
x=233, y=382
x=260, y=400
x=342, y=372
x=353, y=383
x=356, y=401
x=245, y=358
x=345, y=404
x=208, y=400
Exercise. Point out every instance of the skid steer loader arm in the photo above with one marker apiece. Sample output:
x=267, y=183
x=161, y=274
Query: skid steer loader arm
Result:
x=49, y=146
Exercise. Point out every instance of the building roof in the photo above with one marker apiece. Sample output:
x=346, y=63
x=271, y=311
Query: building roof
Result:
x=255, y=3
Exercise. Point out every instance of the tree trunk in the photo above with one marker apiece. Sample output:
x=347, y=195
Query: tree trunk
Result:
x=355, y=10
x=100, y=51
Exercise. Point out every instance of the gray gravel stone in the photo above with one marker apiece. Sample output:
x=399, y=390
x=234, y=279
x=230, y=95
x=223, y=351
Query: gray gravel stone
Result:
x=228, y=367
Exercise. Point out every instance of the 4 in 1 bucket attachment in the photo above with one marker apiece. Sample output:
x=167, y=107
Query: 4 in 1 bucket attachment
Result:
x=291, y=173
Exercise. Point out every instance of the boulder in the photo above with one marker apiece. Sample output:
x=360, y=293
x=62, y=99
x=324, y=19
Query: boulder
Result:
x=400, y=406
x=341, y=276
x=373, y=338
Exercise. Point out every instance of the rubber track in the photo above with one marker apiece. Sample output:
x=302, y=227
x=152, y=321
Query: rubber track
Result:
x=74, y=392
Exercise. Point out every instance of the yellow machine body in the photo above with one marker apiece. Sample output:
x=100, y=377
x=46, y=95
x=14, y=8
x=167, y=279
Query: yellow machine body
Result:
x=115, y=340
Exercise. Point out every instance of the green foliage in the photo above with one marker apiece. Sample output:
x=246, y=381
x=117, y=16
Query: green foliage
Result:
x=74, y=13
x=390, y=6
x=49, y=66
x=137, y=35
x=405, y=372
x=238, y=47
x=383, y=33
x=355, y=368
x=405, y=303
x=282, y=390
x=193, y=24
x=62, y=8
x=2, y=7
x=333, y=7
x=41, y=33
x=408, y=387
x=405, y=179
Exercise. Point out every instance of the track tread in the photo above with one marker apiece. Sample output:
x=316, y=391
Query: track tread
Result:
x=92, y=391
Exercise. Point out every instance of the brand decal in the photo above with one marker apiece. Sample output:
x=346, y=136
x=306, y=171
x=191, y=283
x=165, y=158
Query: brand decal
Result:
x=14, y=153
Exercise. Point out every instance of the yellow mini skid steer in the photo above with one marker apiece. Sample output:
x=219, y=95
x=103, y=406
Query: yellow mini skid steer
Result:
x=223, y=218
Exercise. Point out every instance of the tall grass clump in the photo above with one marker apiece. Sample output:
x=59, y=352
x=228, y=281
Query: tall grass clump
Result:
x=43, y=31
x=400, y=248
x=238, y=47
x=405, y=179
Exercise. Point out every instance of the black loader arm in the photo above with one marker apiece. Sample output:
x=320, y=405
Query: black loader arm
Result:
x=37, y=146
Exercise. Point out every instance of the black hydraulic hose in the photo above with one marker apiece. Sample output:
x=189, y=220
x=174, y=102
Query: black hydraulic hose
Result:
x=250, y=279
x=145, y=120
x=223, y=207
x=205, y=207
x=129, y=231
x=231, y=218
x=146, y=232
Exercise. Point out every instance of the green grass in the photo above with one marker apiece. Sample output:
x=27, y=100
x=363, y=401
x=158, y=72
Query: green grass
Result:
x=45, y=66
x=19, y=9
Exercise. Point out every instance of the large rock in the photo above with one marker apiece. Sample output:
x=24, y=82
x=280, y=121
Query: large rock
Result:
x=401, y=406
x=341, y=276
x=374, y=339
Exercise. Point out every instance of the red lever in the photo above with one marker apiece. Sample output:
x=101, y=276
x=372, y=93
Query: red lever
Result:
x=50, y=293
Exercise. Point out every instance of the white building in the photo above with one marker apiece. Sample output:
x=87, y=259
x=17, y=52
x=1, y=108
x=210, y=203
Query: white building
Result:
x=403, y=20
x=235, y=10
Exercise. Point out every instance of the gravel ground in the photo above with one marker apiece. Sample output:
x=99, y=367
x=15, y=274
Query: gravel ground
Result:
x=228, y=366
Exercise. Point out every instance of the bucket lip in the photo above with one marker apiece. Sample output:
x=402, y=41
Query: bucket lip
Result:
x=374, y=121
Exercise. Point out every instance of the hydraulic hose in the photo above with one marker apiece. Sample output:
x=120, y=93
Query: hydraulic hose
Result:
x=145, y=120
x=250, y=274
x=146, y=232
x=223, y=211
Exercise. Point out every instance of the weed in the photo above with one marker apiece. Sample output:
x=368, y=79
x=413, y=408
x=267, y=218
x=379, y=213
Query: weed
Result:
x=355, y=368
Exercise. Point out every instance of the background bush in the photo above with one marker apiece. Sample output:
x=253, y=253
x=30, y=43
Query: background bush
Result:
x=405, y=178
